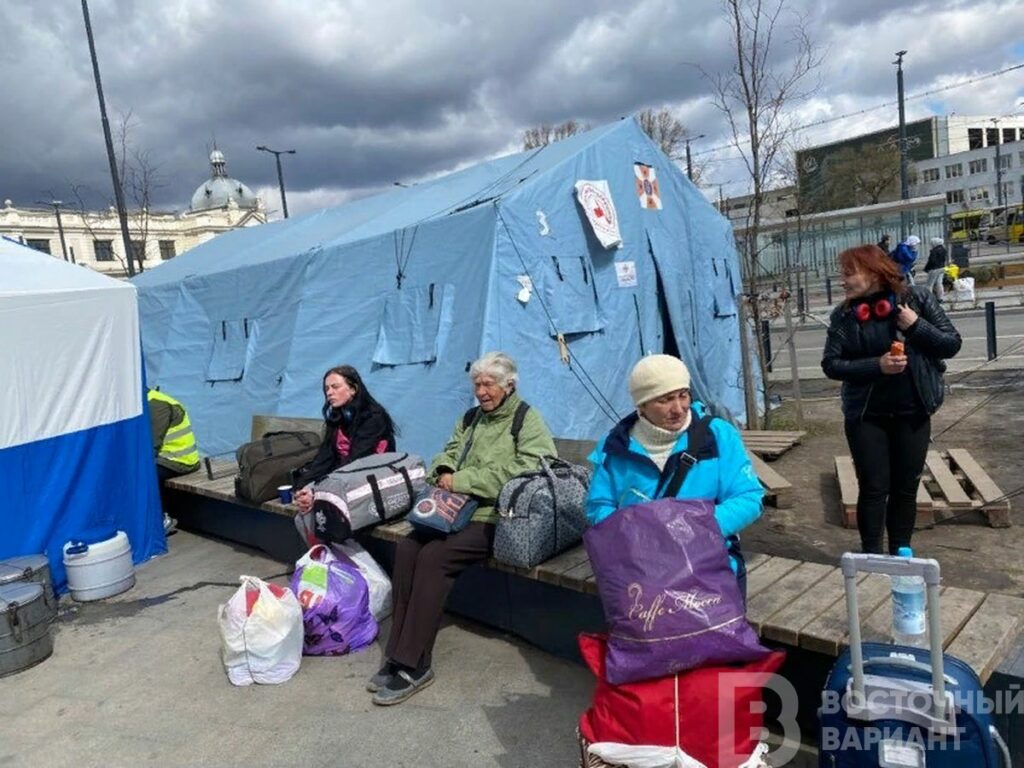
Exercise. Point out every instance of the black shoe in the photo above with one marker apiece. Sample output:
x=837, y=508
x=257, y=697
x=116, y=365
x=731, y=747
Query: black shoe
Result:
x=382, y=678
x=402, y=685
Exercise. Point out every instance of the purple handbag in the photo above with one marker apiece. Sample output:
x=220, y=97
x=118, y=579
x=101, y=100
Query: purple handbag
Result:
x=670, y=597
x=335, y=604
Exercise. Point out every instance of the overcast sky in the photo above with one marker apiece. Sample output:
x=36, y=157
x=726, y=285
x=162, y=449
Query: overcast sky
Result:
x=373, y=92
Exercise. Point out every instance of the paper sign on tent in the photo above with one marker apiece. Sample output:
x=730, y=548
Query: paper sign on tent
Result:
x=596, y=200
x=647, y=188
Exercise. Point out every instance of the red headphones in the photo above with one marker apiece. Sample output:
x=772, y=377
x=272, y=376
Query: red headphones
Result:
x=879, y=308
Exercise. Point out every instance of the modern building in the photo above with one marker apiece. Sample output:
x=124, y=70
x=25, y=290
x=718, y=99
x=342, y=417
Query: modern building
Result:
x=93, y=238
x=864, y=169
x=971, y=179
x=776, y=204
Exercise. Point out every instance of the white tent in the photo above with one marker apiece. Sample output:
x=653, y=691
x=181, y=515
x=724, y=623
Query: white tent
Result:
x=76, y=454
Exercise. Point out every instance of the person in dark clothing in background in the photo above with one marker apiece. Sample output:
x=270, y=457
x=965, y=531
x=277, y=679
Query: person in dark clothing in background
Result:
x=887, y=342
x=935, y=268
x=884, y=243
x=356, y=426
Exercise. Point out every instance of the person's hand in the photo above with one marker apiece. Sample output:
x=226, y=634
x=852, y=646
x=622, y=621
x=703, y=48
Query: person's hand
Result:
x=892, y=364
x=905, y=317
x=444, y=481
x=303, y=499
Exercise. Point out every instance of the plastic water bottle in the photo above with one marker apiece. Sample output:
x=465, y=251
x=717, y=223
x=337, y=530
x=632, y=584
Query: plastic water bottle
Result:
x=908, y=607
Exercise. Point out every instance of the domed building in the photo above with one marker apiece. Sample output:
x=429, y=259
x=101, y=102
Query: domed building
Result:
x=93, y=238
x=220, y=190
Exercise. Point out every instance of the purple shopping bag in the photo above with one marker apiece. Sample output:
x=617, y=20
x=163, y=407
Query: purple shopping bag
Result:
x=670, y=597
x=335, y=604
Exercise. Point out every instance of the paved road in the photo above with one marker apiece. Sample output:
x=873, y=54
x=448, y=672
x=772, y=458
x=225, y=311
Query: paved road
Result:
x=810, y=338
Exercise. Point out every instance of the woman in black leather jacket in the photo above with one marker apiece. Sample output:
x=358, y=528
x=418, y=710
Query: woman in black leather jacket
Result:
x=356, y=426
x=887, y=343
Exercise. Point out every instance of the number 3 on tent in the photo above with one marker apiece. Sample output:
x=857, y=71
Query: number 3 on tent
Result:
x=545, y=230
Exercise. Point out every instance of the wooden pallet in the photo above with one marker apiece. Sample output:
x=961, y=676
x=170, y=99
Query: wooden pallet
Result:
x=952, y=483
x=770, y=444
x=778, y=491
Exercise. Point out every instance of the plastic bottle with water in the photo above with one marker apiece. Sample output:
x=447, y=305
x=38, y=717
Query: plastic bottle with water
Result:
x=909, y=625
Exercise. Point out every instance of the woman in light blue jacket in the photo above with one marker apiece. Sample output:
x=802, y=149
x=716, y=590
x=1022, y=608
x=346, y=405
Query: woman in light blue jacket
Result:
x=639, y=457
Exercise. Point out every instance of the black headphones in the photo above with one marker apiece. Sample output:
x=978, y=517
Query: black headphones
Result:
x=880, y=308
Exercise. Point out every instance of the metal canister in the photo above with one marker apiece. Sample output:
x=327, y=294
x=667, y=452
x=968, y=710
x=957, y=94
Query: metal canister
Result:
x=30, y=568
x=25, y=638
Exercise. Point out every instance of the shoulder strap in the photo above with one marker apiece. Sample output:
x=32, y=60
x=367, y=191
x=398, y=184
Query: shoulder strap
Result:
x=517, y=421
x=698, y=434
x=468, y=416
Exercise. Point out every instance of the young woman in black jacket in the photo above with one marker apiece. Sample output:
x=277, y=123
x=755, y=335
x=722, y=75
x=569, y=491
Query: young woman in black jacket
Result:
x=887, y=342
x=357, y=426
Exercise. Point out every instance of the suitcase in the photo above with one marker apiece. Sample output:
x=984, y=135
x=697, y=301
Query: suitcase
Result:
x=265, y=464
x=895, y=706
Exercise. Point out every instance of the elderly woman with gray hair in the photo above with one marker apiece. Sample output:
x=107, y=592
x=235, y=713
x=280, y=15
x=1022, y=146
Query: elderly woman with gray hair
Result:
x=426, y=567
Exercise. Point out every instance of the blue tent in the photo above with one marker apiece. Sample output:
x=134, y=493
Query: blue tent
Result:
x=411, y=285
x=76, y=450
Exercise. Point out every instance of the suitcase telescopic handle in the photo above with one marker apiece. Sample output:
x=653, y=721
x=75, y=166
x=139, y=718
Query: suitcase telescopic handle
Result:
x=928, y=569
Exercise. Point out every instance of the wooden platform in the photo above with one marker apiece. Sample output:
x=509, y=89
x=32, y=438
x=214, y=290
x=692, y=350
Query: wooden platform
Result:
x=952, y=484
x=769, y=444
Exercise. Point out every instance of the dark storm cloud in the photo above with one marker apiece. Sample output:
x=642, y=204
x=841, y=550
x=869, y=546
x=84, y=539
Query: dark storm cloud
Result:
x=370, y=93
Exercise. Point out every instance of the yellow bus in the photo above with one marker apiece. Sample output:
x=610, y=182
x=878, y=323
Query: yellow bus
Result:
x=1007, y=224
x=965, y=225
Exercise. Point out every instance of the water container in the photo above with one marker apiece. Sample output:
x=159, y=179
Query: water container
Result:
x=99, y=565
x=909, y=625
x=25, y=638
x=30, y=568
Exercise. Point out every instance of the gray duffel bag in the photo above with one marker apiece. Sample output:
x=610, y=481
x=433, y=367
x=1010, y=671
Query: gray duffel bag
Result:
x=541, y=513
x=366, y=492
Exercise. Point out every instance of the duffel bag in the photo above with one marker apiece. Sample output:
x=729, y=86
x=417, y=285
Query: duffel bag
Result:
x=366, y=492
x=541, y=513
x=265, y=464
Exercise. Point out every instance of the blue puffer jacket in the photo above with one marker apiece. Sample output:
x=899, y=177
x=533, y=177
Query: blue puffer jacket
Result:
x=625, y=474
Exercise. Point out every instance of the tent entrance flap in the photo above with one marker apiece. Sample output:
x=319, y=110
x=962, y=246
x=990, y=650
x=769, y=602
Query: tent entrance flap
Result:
x=668, y=336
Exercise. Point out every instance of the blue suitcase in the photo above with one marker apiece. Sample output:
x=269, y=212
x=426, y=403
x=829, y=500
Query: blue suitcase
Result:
x=893, y=706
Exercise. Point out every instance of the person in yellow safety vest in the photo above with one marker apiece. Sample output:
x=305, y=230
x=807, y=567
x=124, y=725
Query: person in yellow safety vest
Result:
x=174, y=444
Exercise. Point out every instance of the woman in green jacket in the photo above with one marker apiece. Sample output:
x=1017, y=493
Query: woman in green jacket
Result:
x=426, y=567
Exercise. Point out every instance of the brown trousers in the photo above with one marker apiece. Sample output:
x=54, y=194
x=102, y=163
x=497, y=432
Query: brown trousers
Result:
x=425, y=570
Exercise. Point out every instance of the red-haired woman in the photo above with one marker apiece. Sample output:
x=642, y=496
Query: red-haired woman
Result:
x=887, y=343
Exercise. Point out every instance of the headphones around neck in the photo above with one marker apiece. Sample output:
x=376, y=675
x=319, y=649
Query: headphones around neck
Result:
x=879, y=308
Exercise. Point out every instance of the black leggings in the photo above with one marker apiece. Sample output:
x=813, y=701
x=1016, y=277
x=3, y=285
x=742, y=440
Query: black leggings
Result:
x=888, y=454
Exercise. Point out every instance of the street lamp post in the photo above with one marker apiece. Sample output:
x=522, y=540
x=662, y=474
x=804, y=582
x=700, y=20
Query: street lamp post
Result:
x=689, y=161
x=904, y=186
x=56, y=204
x=280, y=176
x=122, y=213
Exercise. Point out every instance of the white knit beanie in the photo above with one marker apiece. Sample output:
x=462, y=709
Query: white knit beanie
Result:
x=657, y=375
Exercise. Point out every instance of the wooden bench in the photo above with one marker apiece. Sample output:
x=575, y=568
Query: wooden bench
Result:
x=953, y=483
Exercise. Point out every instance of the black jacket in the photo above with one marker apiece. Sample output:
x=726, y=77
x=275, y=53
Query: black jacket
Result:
x=852, y=351
x=364, y=432
x=936, y=258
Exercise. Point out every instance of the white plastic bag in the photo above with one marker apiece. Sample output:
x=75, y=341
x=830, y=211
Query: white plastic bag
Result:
x=261, y=632
x=963, y=289
x=662, y=757
x=377, y=581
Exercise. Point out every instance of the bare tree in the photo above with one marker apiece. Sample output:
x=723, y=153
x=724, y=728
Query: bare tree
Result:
x=140, y=177
x=754, y=97
x=669, y=133
x=544, y=134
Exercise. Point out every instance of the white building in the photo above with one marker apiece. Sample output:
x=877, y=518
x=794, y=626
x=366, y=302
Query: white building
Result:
x=93, y=238
x=969, y=179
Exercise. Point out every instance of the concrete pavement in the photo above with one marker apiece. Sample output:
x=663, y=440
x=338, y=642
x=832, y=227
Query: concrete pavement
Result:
x=137, y=680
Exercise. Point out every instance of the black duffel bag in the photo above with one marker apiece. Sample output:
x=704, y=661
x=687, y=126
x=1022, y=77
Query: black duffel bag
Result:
x=265, y=464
